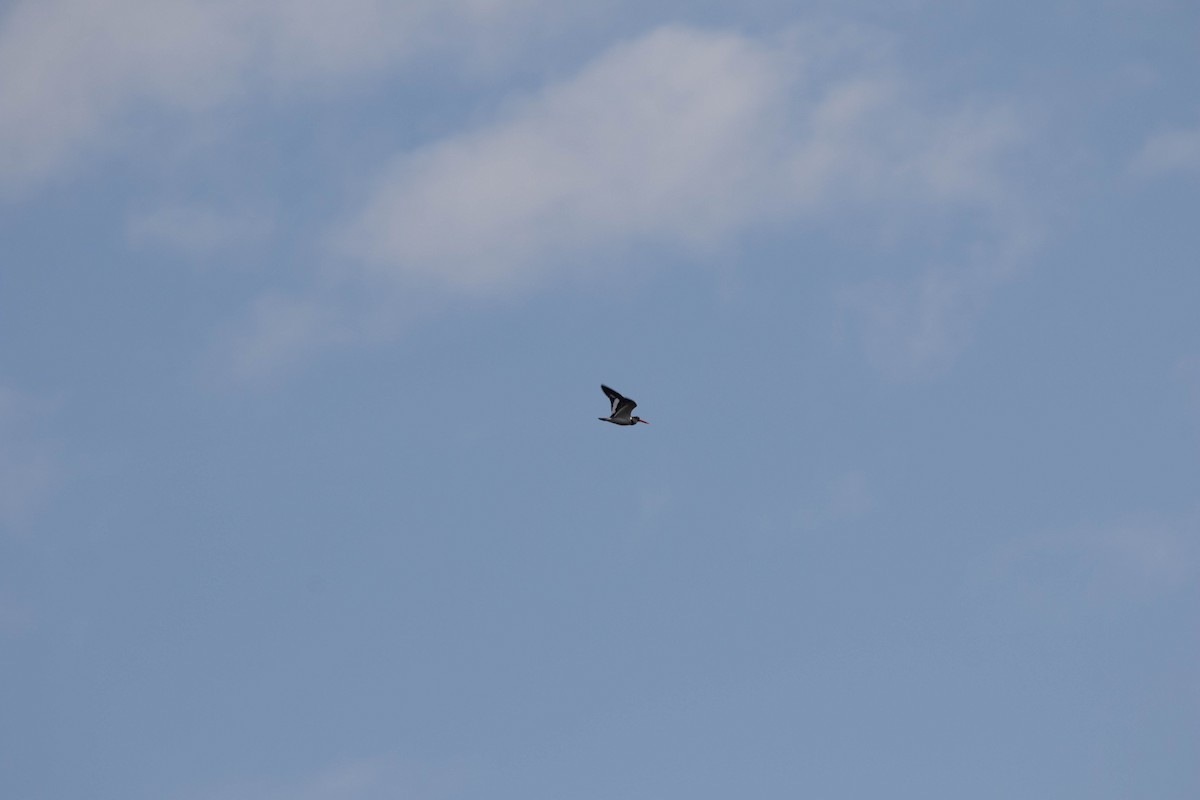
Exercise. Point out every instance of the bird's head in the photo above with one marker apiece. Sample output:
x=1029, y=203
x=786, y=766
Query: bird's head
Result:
x=639, y=419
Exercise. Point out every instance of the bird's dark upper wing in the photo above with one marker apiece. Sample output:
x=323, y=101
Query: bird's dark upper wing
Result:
x=621, y=405
x=614, y=397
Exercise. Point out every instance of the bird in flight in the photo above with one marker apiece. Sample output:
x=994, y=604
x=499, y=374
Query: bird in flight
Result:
x=622, y=407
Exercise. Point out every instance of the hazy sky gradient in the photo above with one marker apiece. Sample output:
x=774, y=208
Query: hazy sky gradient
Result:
x=305, y=308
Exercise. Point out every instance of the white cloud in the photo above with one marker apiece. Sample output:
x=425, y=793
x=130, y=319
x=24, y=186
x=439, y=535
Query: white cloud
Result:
x=73, y=71
x=687, y=139
x=664, y=138
x=682, y=137
x=68, y=67
x=1171, y=151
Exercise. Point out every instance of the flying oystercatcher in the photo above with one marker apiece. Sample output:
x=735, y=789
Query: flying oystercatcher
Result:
x=621, y=408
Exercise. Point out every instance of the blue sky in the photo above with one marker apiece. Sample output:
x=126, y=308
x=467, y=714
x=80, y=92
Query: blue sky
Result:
x=305, y=308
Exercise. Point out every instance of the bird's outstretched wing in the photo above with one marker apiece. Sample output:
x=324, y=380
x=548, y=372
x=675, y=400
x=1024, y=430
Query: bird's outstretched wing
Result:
x=622, y=406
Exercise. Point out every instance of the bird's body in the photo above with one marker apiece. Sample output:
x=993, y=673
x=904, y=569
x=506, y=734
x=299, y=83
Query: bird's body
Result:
x=622, y=408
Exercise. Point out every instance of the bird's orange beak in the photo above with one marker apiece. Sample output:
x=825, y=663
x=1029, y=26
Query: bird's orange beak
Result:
x=644, y=420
